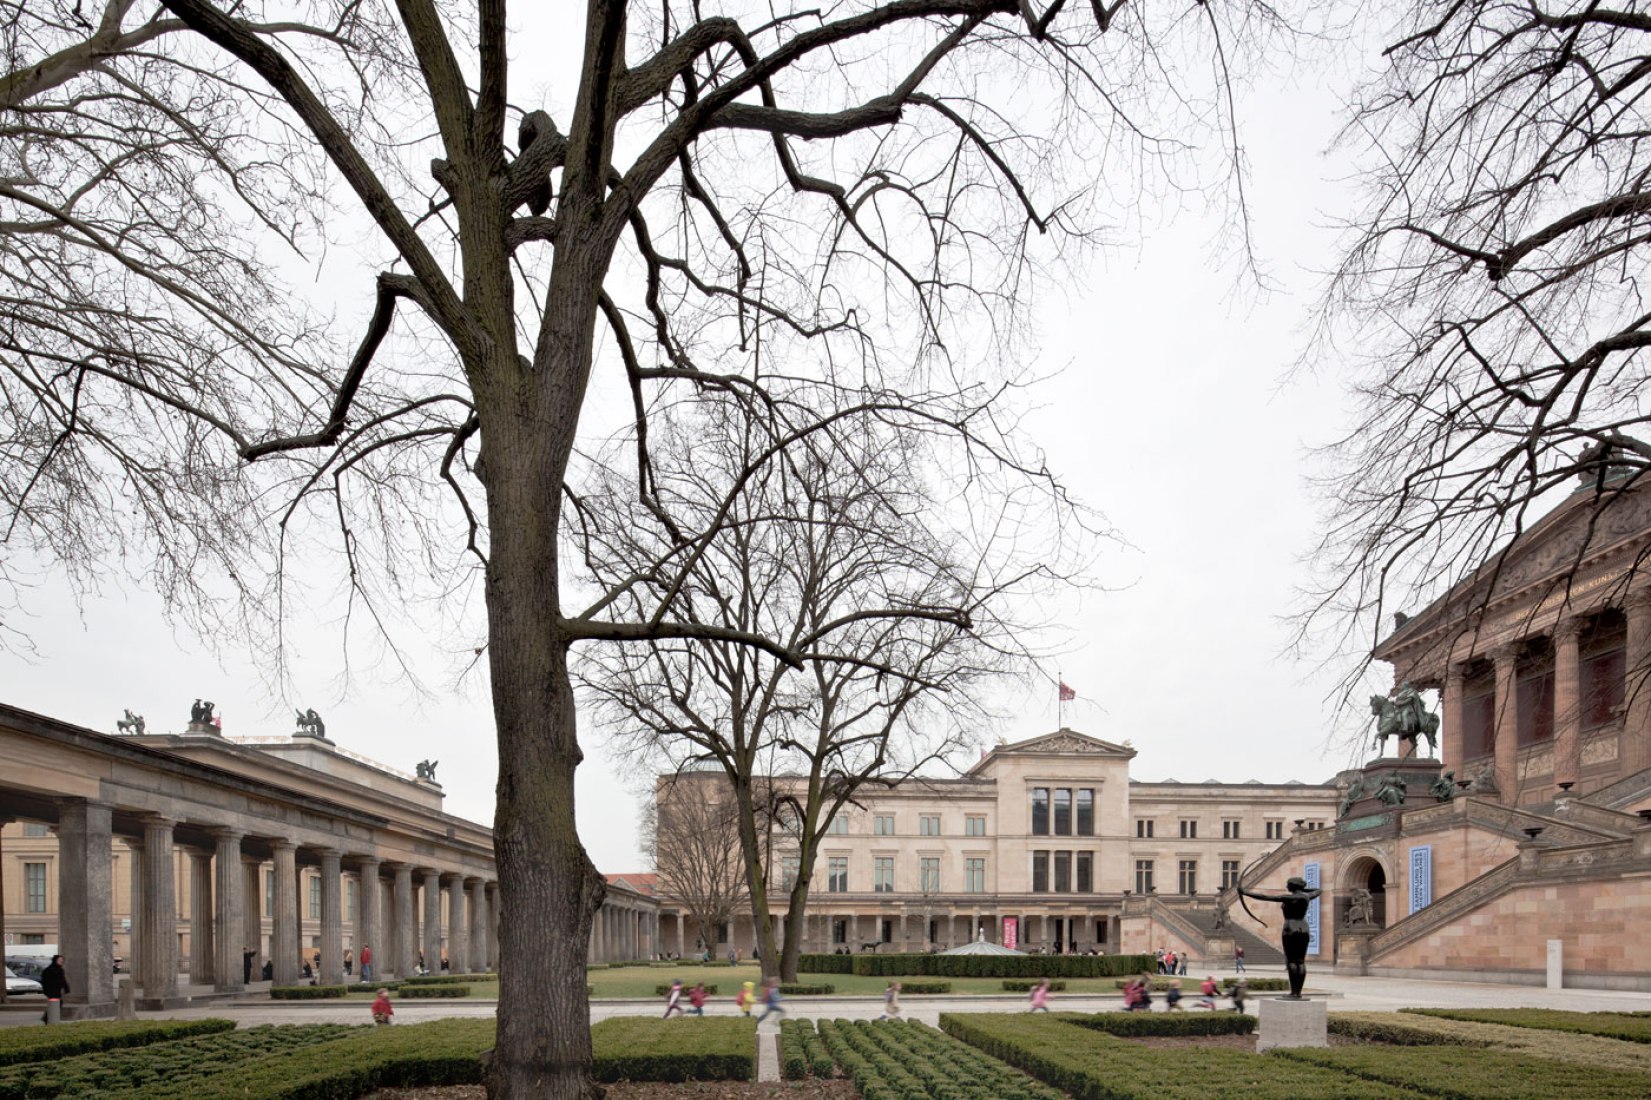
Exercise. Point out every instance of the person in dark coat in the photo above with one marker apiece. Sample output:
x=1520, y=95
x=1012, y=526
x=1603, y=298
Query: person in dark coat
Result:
x=54, y=982
x=247, y=957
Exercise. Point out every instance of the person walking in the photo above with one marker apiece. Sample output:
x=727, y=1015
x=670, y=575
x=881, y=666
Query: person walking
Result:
x=747, y=998
x=673, y=999
x=770, y=999
x=891, y=1002
x=1173, y=997
x=366, y=962
x=696, y=998
x=381, y=1008
x=1239, y=989
x=248, y=957
x=53, y=983
x=1207, y=988
x=1040, y=996
x=1183, y=964
x=1238, y=958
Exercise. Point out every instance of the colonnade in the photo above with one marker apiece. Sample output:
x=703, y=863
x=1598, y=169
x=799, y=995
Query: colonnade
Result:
x=621, y=931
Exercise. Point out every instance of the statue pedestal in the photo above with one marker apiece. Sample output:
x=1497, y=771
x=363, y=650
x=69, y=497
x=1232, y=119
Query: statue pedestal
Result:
x=204, y=727
x=306, y=738
x=1418, y=774
x=1287, y=1023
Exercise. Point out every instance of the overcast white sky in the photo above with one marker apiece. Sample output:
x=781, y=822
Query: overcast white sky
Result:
x=1170, y=412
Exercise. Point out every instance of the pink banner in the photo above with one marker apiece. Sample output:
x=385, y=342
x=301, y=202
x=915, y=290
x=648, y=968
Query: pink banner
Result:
x=1011, y=932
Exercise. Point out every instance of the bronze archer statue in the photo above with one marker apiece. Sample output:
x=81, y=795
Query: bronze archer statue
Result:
x=1296, y=933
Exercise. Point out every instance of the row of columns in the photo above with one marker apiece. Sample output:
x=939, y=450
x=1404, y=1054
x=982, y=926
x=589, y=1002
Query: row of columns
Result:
x=1634, y=752
x=619, y=933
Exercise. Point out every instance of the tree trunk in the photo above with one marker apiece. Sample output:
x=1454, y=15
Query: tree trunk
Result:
x=756, y=884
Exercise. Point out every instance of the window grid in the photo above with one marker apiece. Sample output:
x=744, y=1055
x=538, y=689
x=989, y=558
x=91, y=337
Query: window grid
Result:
x=1040, y=872
x=1229, y=874
x=1063, y=811
x=1189, y=830
x=1040, y=811
x=839, y=825
x=837, y=875
x=1189, y=876
x=1275, y=830
x=882, y=873
x=1086, y=872
x=928, y=869
x=34, y=887
x=1143, y=827
x=1229, y=830
x=974, y=876
x=884, y=825
x=974, y=826
x=1063, y=872
x=929, y=824
x=1086, y=811
x=1143, y=876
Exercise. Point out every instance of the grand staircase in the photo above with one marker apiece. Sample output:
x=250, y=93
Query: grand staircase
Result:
x=1257, y=951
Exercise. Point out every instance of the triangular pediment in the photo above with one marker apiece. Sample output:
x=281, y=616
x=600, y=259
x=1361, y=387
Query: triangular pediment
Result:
x=1063, y=742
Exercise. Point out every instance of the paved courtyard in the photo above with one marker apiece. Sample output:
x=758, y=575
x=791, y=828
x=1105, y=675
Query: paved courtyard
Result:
x=1347, y=994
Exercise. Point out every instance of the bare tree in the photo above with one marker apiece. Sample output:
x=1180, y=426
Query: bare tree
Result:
x=696, y=845
x=839, y=549
x=1493, y=287
x=863, y=196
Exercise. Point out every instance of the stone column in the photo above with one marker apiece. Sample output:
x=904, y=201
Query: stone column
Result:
x=332, y=918
x=252, y=912
x=367, y=919
x=1452, y=749
x=284, y=947
x=201, y=951
x=432, y=920
x=134, y=939
x=160, y=911
x=406, y=950
x=229, y=914
x=1635, y=752
x=458, y=945
x=1567, y=701
x=478, y=926
x=1507, y=722
x=681, y=945
x=85, y=888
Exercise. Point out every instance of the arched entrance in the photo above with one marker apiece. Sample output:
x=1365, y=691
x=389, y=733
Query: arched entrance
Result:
x=1365, y=873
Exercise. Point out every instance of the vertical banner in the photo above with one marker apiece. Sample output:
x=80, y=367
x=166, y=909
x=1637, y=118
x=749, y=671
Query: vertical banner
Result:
x=1011, y=932
x=1421, y=877
x=1311, y=874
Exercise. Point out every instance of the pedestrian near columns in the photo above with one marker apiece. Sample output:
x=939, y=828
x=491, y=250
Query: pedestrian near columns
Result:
x=1238, y=958
x=53, y=983
x=366, y=962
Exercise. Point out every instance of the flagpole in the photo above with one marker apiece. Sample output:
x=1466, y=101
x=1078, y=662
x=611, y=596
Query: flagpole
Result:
x=1060, y=700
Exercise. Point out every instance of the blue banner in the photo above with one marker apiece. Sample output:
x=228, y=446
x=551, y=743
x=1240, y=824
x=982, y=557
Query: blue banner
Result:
x=1421, y=877
x=1311, y=874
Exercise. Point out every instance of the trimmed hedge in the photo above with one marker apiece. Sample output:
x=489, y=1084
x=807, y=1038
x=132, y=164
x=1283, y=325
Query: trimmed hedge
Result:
x=925, y=988
x=662, y=990
x=793, y=1056
x=1467, y=1073
x=798, y=989
x=449, y=979
x=906, y=1060
x=978, y=966
x=432, y=991
x=1094, y=1066
x=155, y=1066
x=1025, y=985
x=43, y=1044
x=717, y=1048
x=308, y=992
x=1394, y=1033
x=1142, y=1024
x=1629, y=1027
x=1189, y=984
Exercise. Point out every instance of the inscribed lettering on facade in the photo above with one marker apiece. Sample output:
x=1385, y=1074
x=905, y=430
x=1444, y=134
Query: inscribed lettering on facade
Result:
x=1421, y=877
x=1011, y=932
x=1311, y=874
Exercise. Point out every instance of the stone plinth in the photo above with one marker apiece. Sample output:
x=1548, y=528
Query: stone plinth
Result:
x=1289, y=1023
x=1418, y=774
x=204, y=728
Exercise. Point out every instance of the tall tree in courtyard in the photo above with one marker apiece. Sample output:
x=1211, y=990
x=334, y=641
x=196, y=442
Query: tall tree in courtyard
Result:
x=1493, y=285
x=854, y=200
x=696, y=850
x=845, y=550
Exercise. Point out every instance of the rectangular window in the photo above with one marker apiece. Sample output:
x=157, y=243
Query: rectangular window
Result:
x=722, y=933
x=1229, y=873
x=1040, y=872
x=929, y=825
x=315, y=897
x=1189, y=876
x=1603, y=679
x=1189, y=829
x=1275, y=830
x=839, y=930
x=349, y=900
x=1478, y=724
x=36, y=829
x=1229, y=830
x=839, y=824
x=1086, y=872
x=1063, y=872
x=790, y=868
x=269, y=893
x=1086, y=811
x=1040, y=811
x=1143, y=827
x=1063, y=811
x=928, y=870
x=34, y=887
x=974, y=876
x=1536, y=708
x=34, y=939
x=884, y=825
x=1143, y=876
x=882, y=875
x=837, y=875
x=974, y=825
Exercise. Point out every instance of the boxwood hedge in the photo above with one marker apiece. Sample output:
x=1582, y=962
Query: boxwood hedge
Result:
x=925, y=988
x=717, y=1048
x=978, y=966
x=443, y=990
x=41, y=1044
x=1024, y=985
x=906, y=1060
x=1094, y=1066
x=450, y=979
x=662, y=990
x=798, y=989
x=1468, y=1073
x=1631, y=1027
x=1393, y=1032
x=307, y=992
x=1142, y=1024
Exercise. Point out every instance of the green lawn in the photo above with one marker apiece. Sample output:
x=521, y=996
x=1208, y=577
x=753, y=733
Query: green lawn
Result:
x=640, y=981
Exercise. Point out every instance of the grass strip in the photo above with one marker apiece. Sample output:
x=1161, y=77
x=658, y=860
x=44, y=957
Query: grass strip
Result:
x=1629, y=1027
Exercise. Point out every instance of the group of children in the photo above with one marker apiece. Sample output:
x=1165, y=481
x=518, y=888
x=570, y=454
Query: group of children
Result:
x=745, y=1000
x=1138, y=994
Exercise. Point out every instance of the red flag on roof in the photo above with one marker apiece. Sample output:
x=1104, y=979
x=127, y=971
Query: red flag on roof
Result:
x=1067, y=694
